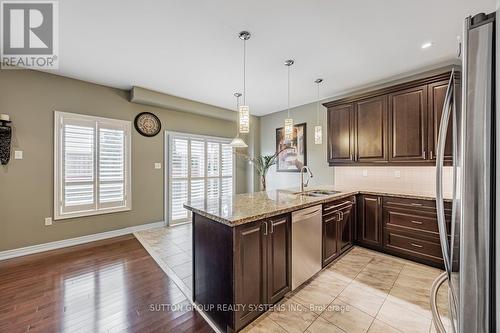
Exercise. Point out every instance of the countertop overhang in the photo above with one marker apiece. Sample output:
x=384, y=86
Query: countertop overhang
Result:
x=248, y=207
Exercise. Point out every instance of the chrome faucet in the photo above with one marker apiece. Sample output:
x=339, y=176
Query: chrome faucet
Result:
x=302, y=185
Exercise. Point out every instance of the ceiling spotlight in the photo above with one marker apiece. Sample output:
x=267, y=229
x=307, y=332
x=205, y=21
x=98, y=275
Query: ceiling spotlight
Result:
x=427, y=45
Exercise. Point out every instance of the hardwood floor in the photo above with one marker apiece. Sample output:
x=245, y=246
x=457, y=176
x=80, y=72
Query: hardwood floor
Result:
x=107, y=286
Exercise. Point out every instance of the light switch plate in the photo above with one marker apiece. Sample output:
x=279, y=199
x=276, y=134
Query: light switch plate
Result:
x=365, y=173
x=157, y=165
x=48, y=221
x=397, y=174
x=18, y=154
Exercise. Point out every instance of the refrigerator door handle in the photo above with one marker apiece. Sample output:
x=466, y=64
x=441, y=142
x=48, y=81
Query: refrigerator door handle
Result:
x=436, y=318
x=443, y=128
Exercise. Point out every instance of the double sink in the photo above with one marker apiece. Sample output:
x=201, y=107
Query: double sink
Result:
x=317, y=193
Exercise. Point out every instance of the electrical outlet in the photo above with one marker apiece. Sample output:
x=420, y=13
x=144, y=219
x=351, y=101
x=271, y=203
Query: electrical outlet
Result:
x=157, y=165
x=18, y=154
x=365, y=173
x=397, y=174
x=48, y=221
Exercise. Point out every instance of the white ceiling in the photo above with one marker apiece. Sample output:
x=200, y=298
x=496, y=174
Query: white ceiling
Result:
x=190, y=48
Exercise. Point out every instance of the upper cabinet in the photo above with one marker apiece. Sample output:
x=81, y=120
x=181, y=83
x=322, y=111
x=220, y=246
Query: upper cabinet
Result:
x=396, y=125
x=340, y=134
x=371, y=130
x=437, y=94
x=408, y=125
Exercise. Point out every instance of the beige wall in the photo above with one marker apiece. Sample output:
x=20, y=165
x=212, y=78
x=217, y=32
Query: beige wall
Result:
x=26, y=186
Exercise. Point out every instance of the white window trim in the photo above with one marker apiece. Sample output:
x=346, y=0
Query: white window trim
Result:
x=58, y=117
x=167, y=185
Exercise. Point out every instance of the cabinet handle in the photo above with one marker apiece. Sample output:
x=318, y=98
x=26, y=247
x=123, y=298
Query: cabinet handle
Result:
x=416, y=245
x=416, y=204
x=352, y=157
x=265, y=230
x=431, y=156
x=330, y=220
x=416, y=222
x=379, y=200
x=272, y=226
x=339, y=218
x=335, y=206
x=425, y=155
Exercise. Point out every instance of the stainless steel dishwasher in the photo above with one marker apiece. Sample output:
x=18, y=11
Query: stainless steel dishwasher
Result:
x=306, y=244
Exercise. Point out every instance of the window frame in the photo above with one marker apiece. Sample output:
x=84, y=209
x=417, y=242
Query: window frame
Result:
x=98, y=208
x=169, y=135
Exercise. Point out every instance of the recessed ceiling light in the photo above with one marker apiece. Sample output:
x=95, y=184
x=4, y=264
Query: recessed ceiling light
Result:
x=427, y=45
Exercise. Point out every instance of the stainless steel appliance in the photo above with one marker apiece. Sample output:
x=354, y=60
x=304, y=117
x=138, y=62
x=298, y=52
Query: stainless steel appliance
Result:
x=469, y=254
x=306, y=244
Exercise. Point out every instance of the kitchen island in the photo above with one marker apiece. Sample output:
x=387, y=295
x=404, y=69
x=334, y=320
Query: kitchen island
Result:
x=242, y=260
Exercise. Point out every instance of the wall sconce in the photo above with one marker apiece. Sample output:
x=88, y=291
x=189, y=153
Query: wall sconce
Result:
x=5, y=138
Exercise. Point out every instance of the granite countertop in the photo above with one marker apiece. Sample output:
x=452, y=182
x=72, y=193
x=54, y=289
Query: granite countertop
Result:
x=243, y=208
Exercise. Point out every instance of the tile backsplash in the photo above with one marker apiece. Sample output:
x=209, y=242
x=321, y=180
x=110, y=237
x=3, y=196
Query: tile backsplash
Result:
x=419, y=180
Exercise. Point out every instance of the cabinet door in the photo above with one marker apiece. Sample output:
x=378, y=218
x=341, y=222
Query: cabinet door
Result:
x=371, y=130
x=279, y=259
x=370, y=220
x=250, y=271
x=437, y=93
x=341, y=134
x=408, y=125
x=330, y=246
x=346, y=228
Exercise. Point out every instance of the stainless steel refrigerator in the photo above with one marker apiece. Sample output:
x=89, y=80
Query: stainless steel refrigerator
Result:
x=469, y=251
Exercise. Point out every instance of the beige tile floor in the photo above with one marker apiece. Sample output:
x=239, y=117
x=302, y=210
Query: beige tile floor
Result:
x=172, y=246
x=364, y=291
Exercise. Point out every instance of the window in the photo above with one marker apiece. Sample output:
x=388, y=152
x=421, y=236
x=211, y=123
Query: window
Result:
x=92, y=165
x=199, y=167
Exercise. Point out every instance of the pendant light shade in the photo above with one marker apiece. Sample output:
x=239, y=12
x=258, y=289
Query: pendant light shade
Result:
x=288, y=129
x=238, y=142
x=289, y=120
x=244, y=114
x=318, y=131
x=244, y=110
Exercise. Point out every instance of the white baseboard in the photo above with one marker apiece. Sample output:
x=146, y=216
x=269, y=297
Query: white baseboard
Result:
x=23, y=251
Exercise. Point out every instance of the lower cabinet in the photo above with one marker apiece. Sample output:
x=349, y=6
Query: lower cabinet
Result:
x=338, y=228
x=369, y=221
x=262, y=266
x=411, y=229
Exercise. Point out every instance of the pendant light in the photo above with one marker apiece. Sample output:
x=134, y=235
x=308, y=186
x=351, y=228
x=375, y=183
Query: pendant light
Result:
x=238, y=142
x=244, y=110
x=288, y=120
x=318, y=135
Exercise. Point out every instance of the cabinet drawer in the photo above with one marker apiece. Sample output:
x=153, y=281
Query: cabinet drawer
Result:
x=338, y=204
x=401, y=218
x=404, y=243
x=424, y=205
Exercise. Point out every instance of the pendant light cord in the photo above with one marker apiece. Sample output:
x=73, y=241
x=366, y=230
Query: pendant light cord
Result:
x=244, y=71
x=237, y=116
x=317, y=107
x=289, y=92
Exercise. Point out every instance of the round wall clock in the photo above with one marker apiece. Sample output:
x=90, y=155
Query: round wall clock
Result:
x=147, y=124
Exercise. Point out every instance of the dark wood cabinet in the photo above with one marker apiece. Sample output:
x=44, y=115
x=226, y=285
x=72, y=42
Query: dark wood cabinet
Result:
x=369, y=220
x=371, y=130
x=251, y=271
x=338, y=218
x=263, y=266
x=437, y=94
x=242, y=269
x=411, y=229
x=395, y=125
x=278, y=259
x=341, y=134
x=408, y=125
